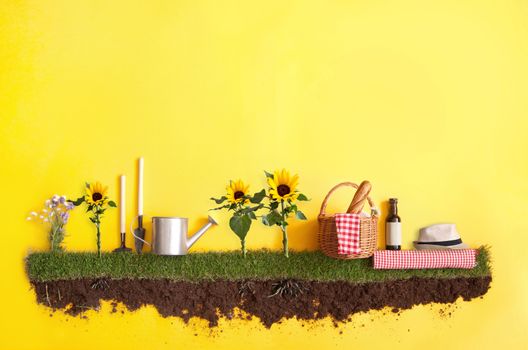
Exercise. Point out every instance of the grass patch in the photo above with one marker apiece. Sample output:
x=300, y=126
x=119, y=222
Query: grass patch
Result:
x=260, y=265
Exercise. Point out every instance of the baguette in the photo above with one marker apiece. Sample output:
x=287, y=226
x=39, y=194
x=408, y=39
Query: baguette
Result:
x=358, y=202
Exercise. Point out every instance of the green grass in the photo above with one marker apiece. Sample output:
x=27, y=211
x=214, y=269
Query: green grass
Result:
x=227, y=265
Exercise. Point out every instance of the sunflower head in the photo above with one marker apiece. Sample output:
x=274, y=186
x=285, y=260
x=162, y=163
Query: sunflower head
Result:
x=283, y=186
x=95, y=194
x=236, y=192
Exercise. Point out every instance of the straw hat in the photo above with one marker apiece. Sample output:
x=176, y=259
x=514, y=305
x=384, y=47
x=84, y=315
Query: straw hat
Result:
x=440, y=236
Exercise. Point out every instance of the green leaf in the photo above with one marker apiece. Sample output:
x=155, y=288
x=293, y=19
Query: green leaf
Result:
x=112, y=204
x=273, y=218
x=302, y=197
x=258, y=197
x=270, y=175
x=274, y=205
x=78, y=201
x=247, y=210
x=92, y=220
x=300, y=215
x=219, y=200
x=252, y=215
x=240, y=225
x=222, y=207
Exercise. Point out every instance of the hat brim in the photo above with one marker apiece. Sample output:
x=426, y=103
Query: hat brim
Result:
x=424, y=246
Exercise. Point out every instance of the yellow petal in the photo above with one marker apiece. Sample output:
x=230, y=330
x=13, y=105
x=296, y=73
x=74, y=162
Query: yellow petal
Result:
x=294, y=181
x=285, y=176
x=279, y=177
x=276, y=178
x=272, y=183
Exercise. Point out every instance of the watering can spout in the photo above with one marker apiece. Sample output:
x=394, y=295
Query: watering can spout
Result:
x=200, y=232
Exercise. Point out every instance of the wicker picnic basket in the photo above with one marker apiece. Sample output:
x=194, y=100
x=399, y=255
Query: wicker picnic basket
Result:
x=327, y=235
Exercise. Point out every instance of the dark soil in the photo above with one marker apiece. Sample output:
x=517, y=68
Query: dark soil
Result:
x=270, y=301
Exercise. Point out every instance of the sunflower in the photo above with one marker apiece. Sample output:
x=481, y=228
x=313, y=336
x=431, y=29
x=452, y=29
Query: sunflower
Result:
x=95, y=194
x=283, y=186
x=236, y=191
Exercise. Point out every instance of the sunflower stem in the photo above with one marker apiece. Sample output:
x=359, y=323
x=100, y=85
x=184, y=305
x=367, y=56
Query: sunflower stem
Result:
x=284, y=233
x=244, y=251
x=98, y=238
x=285, y=241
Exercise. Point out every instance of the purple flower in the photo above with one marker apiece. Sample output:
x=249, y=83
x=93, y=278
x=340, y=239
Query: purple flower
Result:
x=65, y=216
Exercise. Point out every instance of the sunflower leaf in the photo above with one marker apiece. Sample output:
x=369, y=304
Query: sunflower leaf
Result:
x=300, y=215
x=252, y=215
x=222, y=207
x=270, y=175
x=112, y=204
x=240, y=225
x=274, y=205
x=219, y=200
x=258, y=197
x=78, y=201
x=251, y=209
x=302, y=197
x=273, y=218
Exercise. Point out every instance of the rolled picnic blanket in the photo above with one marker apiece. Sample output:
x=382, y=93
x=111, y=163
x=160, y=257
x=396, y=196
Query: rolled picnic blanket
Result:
x=425, y=259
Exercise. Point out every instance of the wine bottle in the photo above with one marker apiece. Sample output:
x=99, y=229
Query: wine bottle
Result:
x=393, y=227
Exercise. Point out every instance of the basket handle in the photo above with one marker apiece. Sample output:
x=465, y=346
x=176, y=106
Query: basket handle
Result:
x=322, y=212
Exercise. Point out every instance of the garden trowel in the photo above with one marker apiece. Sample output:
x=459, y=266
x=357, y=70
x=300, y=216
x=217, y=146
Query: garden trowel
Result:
x=139, y=235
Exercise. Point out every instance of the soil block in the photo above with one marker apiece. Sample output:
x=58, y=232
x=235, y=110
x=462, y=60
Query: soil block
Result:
x=269, y=300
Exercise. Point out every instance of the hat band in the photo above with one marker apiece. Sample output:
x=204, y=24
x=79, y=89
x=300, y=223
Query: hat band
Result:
x=443, y=243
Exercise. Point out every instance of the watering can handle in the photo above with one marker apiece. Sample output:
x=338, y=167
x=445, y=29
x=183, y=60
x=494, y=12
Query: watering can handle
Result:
x=133, y=234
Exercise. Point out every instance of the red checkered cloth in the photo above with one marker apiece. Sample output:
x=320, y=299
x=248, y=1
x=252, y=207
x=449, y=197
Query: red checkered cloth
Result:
x=347, y=226
x=425, y=259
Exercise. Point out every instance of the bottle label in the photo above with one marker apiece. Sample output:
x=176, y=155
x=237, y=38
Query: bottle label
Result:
x=393, y=233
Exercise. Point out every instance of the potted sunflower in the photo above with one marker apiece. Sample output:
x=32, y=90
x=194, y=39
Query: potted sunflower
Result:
x=96, y=200
x=282, y=196
x=243, y=205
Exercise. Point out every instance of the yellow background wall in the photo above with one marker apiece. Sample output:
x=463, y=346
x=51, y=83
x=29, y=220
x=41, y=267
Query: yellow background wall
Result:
x=427, y=100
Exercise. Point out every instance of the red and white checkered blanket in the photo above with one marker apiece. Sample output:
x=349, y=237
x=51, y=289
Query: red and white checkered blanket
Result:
x=425, y=259
x=347, y=226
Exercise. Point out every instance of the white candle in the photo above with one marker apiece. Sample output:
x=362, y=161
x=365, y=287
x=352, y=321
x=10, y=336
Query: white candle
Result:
x=122, y=201
x=140, y=187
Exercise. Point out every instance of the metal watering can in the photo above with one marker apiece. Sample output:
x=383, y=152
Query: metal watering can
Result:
x=169, y=235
